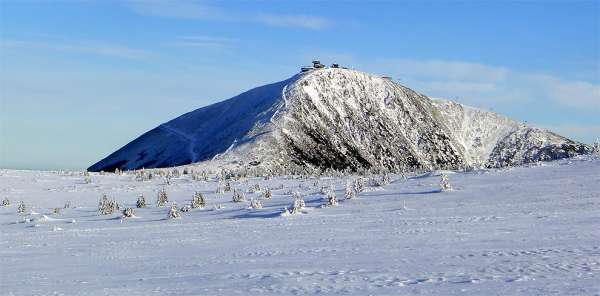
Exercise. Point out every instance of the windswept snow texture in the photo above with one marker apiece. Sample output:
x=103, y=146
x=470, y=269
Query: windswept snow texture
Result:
x=201, y=134
x=516, y=231
x=341, y=119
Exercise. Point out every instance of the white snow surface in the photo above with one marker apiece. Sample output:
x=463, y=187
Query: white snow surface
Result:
x=517, y=231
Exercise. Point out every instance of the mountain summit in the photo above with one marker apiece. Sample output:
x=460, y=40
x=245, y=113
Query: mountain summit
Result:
x=341, y=119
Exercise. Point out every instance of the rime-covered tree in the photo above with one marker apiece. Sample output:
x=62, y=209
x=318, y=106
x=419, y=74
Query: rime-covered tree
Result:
x=162, y=198
x=267, y=193
x=445, y=183
x=349, y=192
x=227, y=187
x=141, y=201
x=255, y=204
x=198, y=201
x=5, y=202
x=359, y=185
x=174, y=212
x=238, y=196
x=21, y=208
x=106, y=206
x=128, y=213
x=331, y=199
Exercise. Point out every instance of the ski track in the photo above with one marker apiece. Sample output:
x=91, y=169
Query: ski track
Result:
x=517, y=231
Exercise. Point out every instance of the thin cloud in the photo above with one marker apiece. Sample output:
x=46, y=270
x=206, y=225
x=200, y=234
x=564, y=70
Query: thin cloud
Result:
x=203, y=42
x=207, y=12
x=300, y=21
x=93, y=48
x=486, y=86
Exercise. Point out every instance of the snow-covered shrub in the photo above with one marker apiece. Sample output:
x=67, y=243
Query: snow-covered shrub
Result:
x=267, y=193
x=297, y=206
x=359, y=185
x=257, y=188
x=227, y=187
x=198, y=201
x=87, y=180
x=349, y=193
x=238, y=196
x=141, y=202
x=21, y=208
x=5, y=202
x=162, y=198
x=444, y=183
x=128, y=213
x=67, y=204
x=186, y=208
x=331, y=199
x=106, y=206
x=385, y=179
x=256, y=204
x=56, y=211
x=596, y=146
x=174, y=212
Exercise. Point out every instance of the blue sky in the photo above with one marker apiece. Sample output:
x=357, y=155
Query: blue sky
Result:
x=79, y=79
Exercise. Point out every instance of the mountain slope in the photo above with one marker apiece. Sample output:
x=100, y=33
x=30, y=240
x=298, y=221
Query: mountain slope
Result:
x=341, y=119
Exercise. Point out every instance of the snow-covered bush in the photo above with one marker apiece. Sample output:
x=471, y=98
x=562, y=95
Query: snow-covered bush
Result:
x=255, y=204
x=596, y=146
x=349, y=193
x=227, y=187
x=128, y=213
x=267, y=193
x=106, y=206
x=297, y=206
x=444, y=183
x=87, y=180
x=331, y=199
x=385, y=179
x=67, y=204
x=198, y=201
x=56, y=211
x=5, y=202
x=162, y=198
x=186, y=208
x=21, y=208
x=141, y=202
x=238, y=196
x=359, y=185
x=174, y=212
x=257, y=188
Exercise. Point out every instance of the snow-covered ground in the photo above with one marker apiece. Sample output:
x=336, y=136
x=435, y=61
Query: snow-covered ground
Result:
x=518, y=231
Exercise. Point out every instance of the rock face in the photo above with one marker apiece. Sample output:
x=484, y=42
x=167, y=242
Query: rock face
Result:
x=340, y=119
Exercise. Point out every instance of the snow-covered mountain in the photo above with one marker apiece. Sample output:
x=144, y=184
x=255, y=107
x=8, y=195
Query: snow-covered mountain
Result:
x=340, y=118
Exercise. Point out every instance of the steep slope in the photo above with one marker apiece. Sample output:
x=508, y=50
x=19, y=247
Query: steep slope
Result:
x=201, y=134
x=341, y=119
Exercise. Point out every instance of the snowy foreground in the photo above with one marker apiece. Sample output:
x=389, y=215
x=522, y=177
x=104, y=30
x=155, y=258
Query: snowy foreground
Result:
x=521, y=231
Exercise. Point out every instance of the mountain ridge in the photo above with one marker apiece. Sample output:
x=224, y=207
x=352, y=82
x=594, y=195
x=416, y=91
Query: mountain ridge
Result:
x=340, y=119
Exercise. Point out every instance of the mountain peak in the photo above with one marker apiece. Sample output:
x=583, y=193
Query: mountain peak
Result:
x=342, y=119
